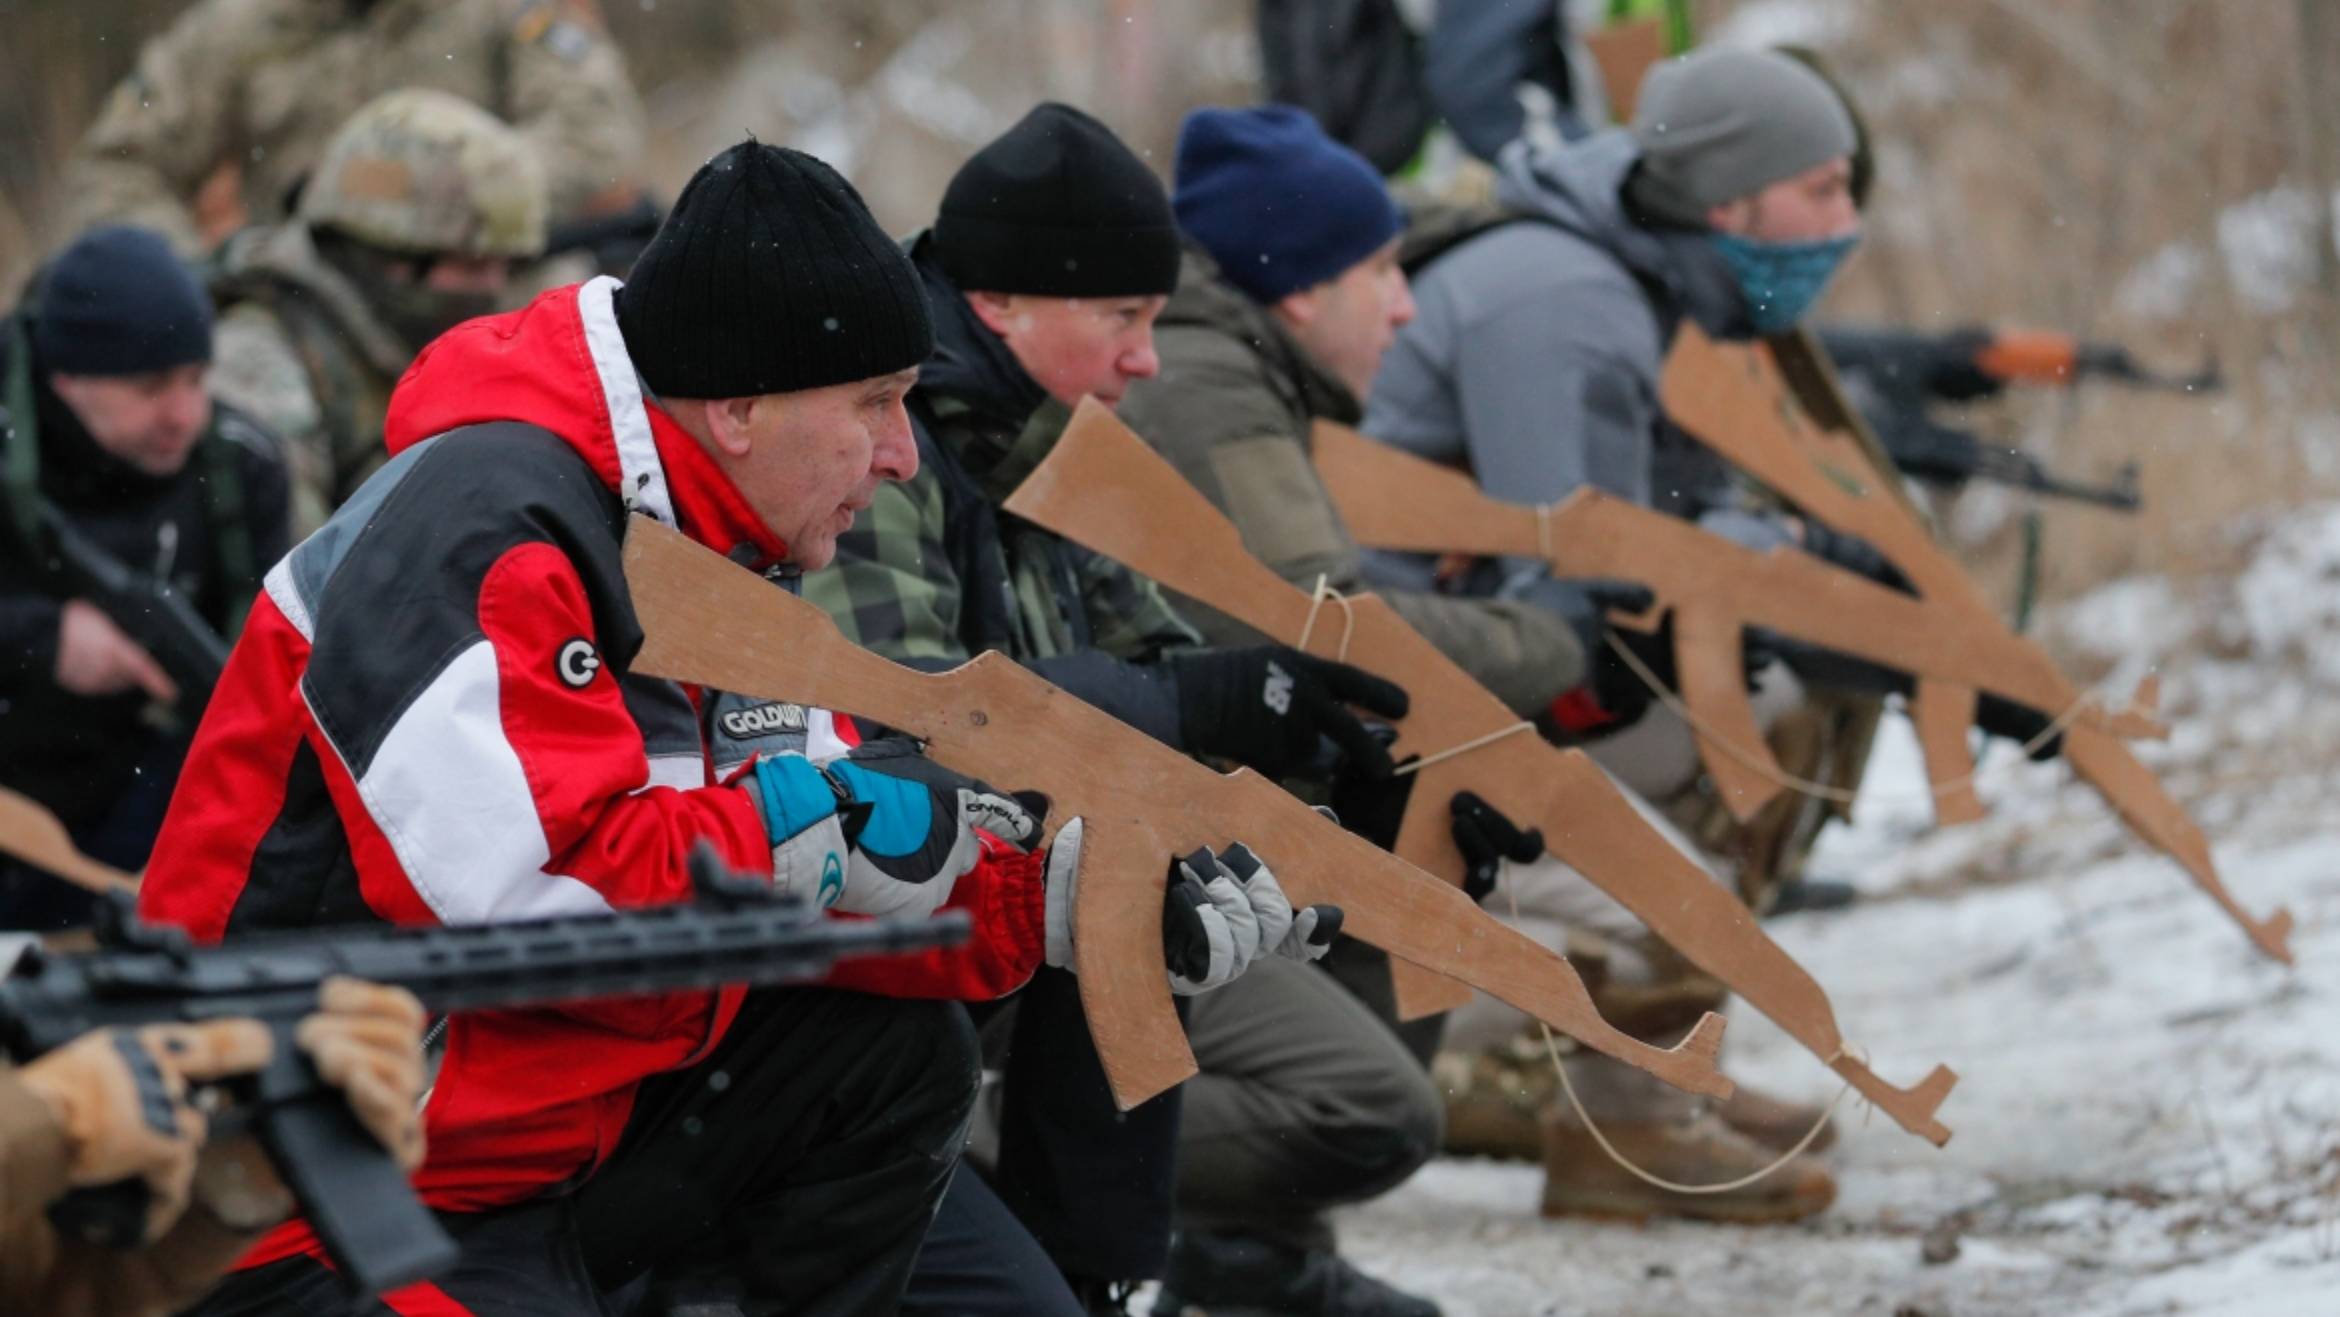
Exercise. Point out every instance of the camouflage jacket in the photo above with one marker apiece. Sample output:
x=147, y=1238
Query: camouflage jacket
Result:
x=297, y=347
x=263, y=84
x=1232, y=410
x=933, y=573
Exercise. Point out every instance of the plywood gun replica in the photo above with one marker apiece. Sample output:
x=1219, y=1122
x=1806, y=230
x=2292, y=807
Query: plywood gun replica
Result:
x=708, y=621
x=1946, y=637
x=1104, y=488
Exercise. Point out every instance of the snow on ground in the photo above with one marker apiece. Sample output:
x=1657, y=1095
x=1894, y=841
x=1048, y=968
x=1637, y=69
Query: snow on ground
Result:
x=2148, y=1119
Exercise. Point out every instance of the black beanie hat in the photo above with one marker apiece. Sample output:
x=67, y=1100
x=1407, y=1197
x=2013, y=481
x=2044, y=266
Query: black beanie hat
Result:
x=1059, y=207
x=770, y=276
x=117, y=302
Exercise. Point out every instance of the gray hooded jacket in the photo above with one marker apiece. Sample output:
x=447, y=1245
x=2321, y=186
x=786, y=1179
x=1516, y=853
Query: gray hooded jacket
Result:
x=1535, y=350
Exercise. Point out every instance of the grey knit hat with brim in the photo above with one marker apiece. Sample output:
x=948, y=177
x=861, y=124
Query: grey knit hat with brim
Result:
x=1718, y=125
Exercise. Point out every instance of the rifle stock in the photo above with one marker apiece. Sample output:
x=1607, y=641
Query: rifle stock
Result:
x=1102, y=487
x=708, y=621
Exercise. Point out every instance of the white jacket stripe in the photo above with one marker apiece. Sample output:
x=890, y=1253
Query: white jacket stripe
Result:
x=642, y=482
x=448, y=792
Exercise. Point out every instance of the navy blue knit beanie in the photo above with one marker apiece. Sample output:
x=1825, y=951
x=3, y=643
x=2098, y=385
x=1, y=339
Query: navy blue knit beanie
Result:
x=1278, y=204
x=117, y=302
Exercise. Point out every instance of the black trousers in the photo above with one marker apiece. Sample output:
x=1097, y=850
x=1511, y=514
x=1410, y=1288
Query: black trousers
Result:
x=979, y=1261
x=795, y=1170
x=1094, y=1184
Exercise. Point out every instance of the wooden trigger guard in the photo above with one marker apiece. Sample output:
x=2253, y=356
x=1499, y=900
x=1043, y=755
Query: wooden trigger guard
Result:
x=710, y=622
x=1103, y=488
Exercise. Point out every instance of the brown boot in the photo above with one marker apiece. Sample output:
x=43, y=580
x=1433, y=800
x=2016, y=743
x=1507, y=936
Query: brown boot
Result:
x=1495, y=1099
x=1775, y=1123
x=1581, y=1180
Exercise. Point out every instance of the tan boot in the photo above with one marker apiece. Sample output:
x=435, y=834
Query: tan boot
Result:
x=1775, y=1123
x=1495, y=1100
x=1581, y=1180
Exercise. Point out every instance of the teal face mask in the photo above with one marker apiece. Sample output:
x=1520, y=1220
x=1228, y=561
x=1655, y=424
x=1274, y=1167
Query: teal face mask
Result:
x=1781, y=280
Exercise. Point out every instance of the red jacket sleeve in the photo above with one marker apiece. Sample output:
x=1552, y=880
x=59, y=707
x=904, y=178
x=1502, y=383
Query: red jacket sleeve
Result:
x=1006, y=895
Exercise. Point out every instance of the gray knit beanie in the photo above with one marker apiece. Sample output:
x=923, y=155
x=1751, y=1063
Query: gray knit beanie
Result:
x=1717, y=125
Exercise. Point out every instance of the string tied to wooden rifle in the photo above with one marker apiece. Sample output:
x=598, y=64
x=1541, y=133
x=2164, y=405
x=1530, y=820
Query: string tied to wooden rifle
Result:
x=1317, y=599
x=1626, y=1164
x=1324, y=594
x=1765, y=767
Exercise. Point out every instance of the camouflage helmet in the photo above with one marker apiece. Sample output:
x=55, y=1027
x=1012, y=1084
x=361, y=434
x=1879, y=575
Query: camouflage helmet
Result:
x=429, y=173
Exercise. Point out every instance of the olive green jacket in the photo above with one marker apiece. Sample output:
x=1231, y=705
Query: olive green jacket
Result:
x=1232, y=409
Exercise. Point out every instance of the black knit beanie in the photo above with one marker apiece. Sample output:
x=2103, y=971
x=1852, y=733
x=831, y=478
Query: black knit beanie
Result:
x=770, y=276
x=117, y=302
x=1059, y=207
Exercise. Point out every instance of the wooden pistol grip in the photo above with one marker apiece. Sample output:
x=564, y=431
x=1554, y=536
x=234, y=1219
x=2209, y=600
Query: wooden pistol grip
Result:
x=1942, y=713
x=1713, y=674
x=1117, y=953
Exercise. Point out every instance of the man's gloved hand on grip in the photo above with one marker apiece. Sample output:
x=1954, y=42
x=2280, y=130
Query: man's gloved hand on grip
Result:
x=366, y=1040
x=1268, y=706
x=1486, y=836
x=121, y=1100
x=881, y=831
x=1220, y=913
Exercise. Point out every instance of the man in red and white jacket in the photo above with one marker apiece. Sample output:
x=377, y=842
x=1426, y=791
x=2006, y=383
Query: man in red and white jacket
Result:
x=431, y=718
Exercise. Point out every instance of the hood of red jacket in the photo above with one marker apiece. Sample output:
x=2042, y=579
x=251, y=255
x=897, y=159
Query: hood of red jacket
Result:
x=534, y=366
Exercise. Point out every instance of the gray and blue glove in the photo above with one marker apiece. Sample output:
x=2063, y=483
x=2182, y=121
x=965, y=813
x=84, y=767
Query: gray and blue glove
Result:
x=882, y=831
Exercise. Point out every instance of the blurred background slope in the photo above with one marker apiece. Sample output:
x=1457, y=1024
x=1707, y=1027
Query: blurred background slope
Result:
x=2159, y=171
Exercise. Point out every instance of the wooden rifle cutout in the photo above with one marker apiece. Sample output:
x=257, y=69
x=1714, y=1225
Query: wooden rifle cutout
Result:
x=713, y=623
x=1104, y=488
x=1391, y=499
x=34, y=835
x=1948, y=638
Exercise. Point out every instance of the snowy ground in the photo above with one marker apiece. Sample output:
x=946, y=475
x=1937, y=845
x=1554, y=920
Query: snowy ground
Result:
x=2148, y=1119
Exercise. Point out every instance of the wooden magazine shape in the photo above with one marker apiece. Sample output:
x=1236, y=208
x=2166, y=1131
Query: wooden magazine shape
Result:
x=1104, y=488
x=1947, y=637
x=710, y=622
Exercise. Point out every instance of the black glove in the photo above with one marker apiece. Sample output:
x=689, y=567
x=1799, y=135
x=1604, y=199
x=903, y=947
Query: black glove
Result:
x=1268, y=706
x=1486, y=836
x=2020, y=723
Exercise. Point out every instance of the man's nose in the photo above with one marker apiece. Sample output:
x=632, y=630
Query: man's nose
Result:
x=1401, y=310
x=1142, y=364
x=896, y=456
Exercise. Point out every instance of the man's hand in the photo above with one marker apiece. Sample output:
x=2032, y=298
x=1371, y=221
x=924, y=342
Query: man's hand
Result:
x=1487, y=837
x=365, y=1040
x=1267, y=707
x=121, y=1100
x=1220, y=913
x=95, y=657
x=883, y=831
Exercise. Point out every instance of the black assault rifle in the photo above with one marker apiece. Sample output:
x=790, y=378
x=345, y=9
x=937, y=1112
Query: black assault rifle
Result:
x=377, y=1233
x=1894, y=375
x=149, y=609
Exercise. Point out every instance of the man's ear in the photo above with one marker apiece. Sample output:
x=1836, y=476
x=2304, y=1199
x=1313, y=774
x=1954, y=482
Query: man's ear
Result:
x=1731, y=216
x=997, y=311
x=731, y=423
x=1300, y=309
